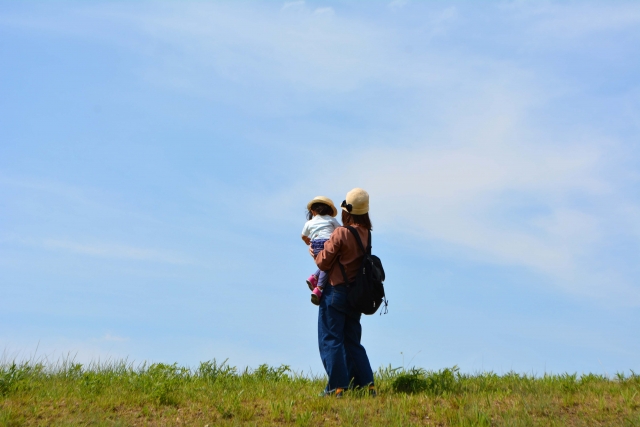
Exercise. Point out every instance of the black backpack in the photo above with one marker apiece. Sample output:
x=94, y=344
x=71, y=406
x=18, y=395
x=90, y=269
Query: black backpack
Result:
x=367, y=292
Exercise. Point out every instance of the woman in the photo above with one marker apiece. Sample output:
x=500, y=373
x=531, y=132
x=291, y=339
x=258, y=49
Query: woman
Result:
x=339, y=330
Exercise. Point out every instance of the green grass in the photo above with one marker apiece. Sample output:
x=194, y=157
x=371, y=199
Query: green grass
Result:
x=120, y=394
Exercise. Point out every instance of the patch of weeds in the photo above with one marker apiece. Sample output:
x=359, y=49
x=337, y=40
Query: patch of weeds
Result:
x=72, y=371
x=485, y=382
x=65, y=392
x=569, y=382
x=592, y=379
x=387, y=373
x=15, y=377
x=268, y=373
x=443, y=381
x=412, y=381
x=417, y=380
x=211, y=371
x=161, y=382
x=94, y=382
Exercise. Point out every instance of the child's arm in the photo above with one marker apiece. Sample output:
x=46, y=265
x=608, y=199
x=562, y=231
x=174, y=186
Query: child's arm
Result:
x=305, y=233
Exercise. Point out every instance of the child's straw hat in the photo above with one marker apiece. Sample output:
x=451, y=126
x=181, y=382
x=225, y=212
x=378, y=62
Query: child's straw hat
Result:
x=326, y=201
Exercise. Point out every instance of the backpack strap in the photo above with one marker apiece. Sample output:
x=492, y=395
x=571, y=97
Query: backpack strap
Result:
x=357, y=236
x=344, y=273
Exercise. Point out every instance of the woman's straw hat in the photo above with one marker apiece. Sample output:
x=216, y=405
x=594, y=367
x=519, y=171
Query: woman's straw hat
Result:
x=326, y=201
x=357, y=202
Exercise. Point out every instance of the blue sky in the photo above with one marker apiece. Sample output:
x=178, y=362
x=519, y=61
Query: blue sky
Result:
x=156, y=160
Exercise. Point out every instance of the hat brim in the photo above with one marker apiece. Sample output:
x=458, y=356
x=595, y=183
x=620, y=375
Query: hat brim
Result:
x=357, y=211
x=327, y=201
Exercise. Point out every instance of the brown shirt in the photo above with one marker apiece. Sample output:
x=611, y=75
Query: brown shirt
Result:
x=342, y=245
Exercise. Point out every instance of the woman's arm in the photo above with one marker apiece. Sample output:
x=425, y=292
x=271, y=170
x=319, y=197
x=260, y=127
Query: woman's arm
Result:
x=326, y=257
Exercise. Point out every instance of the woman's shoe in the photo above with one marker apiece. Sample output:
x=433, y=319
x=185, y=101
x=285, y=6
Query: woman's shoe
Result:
x=316, y=295
x=337, y=393
x=312, y=282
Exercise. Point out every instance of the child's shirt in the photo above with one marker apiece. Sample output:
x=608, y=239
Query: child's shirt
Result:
x=320, y=227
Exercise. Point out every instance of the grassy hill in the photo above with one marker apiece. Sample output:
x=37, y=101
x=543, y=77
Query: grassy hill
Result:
x=120, y=394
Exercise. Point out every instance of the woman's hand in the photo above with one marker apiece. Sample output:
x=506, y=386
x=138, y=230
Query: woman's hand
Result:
x=311, y=253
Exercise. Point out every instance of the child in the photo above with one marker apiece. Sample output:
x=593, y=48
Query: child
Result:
x=316, y=231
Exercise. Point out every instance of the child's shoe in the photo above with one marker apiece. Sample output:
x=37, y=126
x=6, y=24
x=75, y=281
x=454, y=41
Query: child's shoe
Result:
x=316, y=294
x=312, y=282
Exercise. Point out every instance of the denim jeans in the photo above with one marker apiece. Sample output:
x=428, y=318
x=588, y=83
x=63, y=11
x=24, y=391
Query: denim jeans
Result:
x=339, y=332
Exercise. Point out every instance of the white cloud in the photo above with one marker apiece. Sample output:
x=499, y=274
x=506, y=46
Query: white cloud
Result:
x=485, y=158
x=464, y=148
x=257, y=47
x=452, y=195
x=513, y=203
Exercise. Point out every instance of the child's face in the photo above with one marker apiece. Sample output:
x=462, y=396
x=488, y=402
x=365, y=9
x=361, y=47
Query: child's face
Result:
x=314, y=213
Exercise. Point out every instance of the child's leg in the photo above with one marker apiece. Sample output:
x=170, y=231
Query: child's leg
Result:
x=312, y=281
x=316, y=294
x=322, y=278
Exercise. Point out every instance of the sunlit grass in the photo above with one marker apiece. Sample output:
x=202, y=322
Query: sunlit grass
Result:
x=119, y=393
